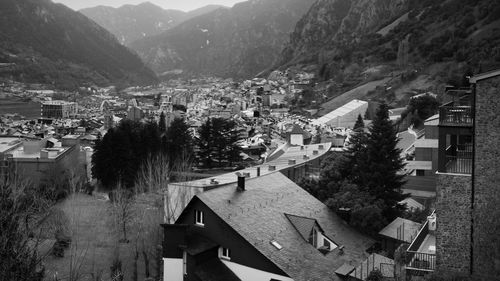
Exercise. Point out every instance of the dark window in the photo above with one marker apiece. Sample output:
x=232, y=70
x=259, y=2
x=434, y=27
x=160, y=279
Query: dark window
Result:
x=420, y=173
x=199, y=219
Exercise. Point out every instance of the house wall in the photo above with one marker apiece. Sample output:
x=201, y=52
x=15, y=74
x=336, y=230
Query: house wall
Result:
x=172, y=269
x=486, y=237
x=431, y=132
x=296, y=139
x=453, y=232
x=220, y=232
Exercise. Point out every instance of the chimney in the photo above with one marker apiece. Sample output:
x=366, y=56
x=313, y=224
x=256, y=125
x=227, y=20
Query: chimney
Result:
x=305, y=157
x=315, y=152
x=272, y=168
x=291, y=162
x=241, y=182
x=321, y=147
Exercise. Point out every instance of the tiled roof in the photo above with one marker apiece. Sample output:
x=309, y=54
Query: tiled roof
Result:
x=258, y=215
x=303, y=225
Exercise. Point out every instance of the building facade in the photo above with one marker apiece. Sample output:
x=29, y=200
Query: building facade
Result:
x=468, y=197
x=59, y=109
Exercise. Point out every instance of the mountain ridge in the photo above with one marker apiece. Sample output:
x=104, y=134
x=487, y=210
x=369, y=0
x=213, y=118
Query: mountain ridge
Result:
x=237, y=42
x=132, y=22
x=50, y=43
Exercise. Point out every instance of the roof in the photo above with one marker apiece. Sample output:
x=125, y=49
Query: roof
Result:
x=8, y=143
x=401, y=229
x=432, y=121
x=412, y=204
x=419, y=165
x=302, y=224
x=280, y=163
x=486, y=75
x=258, y=214
x=341, y=111
x=427, y=143
x=297, y=130
x=374, y=261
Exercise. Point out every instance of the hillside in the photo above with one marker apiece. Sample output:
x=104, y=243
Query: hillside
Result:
x=43, y=42
x=132, y=22
x=438, y=41
x=236, y=42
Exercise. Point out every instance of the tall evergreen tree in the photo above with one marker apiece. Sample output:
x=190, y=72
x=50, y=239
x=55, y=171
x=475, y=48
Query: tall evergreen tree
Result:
x=179, y=141
x=162, y=124
x=217, y=138
x=383, y=163
x=359, y=123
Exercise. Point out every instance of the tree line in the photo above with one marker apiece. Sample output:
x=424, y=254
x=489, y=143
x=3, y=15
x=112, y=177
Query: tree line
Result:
x=119, y=155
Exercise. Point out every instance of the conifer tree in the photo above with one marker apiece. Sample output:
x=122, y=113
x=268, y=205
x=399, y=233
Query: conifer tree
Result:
x=359, y=123
x=179, y=140
x=383, y=162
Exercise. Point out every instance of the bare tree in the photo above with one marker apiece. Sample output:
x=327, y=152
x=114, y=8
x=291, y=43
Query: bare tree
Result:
x=20, y=212
x=123, y=210
x=166, y=201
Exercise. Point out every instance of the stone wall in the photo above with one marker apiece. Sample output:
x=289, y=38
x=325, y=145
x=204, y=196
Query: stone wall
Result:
x=453, y=233
x=486, y=229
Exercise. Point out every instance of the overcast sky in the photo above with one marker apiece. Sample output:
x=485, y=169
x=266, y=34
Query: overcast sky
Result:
x=184, y=5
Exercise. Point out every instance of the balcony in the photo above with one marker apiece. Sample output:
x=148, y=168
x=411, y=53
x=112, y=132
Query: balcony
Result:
x=456, y=116
x=458, y=159
x=421, y=254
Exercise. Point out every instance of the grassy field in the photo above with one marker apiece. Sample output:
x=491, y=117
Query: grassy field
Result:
x=95, y=237
x=30, y=109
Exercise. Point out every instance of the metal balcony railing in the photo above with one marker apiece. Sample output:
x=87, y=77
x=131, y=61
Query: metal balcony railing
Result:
x=421, y=261
x=459, y=159
x=456, y=115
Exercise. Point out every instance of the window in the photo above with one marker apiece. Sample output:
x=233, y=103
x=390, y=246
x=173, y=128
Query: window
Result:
x=326, y=244
x=420, y=173
x=225, y=253
x=199, y=220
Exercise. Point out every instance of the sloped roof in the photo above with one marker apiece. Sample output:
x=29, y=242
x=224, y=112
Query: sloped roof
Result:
x=297, y=130
x=401, y=229
x=258, y=215
x=302, y=224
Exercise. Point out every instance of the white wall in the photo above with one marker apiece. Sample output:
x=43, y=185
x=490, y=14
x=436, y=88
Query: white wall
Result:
x=246, y=273
x=172, y=270
x=296, y=139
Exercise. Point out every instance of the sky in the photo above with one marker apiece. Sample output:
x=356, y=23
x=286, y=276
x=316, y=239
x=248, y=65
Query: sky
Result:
x=183, y=5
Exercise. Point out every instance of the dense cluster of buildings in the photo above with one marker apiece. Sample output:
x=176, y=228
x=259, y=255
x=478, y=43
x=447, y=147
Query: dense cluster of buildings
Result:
x=258, y=224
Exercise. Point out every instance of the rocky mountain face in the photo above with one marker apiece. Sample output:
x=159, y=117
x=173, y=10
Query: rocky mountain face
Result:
x=45, y=42
x=391, y=49
x=334, y=34
x=132, y=22
x=237, y=42
x=333, y=23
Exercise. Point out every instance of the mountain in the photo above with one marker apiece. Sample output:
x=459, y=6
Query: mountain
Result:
x=132, y=22
x=336, y=33
x=403, y=46
x=332, y=24
x=237, y=42
x=50, y=43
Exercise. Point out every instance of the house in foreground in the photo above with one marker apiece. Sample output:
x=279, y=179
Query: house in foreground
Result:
x=264, y=228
